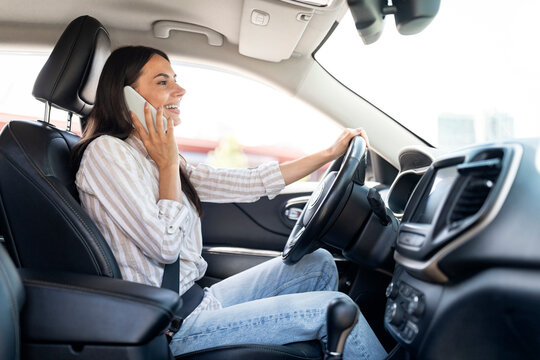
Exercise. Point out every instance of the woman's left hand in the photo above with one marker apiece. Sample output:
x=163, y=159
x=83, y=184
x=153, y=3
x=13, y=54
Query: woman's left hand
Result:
x=341, y=144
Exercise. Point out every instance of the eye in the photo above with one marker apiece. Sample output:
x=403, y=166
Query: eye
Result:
x=162, y=82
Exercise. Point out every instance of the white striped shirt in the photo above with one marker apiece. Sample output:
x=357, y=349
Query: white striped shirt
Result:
x=118, y=185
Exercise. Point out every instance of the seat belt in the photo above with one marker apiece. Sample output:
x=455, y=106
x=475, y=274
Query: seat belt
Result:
x=190, y=300
x=171, y=276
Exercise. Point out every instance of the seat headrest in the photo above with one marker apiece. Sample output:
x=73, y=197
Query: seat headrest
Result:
x=70, y=76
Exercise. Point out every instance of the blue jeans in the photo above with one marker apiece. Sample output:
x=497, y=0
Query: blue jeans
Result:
x=268, y=304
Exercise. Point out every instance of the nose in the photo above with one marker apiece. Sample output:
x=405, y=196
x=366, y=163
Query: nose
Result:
x=178, y=90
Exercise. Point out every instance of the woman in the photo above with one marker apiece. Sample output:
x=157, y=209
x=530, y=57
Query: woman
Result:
x=147, y=203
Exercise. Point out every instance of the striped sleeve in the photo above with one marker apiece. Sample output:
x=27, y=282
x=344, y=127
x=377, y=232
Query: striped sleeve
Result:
x=112, y=175
x=236, y=185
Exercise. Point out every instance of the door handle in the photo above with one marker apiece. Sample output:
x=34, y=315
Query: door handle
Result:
x=293, y=213
x=292, y=210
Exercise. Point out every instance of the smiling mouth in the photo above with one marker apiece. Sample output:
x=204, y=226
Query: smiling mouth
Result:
x=172, y=109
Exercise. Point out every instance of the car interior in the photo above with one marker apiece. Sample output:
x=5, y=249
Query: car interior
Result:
x=438, y=249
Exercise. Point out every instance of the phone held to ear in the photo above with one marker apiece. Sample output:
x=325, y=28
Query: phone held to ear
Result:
x=135, y=102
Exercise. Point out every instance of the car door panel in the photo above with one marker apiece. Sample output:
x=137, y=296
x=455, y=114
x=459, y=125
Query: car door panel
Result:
x=258, y=225
x=225, y=261
x=239, y=236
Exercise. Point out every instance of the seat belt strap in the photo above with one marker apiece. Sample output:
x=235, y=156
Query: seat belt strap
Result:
x=190, y=300
x=171, y=276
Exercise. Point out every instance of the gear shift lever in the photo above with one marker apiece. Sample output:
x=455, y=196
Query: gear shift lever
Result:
x=341, y=317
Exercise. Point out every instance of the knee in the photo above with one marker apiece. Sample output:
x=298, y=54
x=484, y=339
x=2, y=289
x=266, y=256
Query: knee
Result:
x=319, y=260
x=324, y=260
x=323, y=256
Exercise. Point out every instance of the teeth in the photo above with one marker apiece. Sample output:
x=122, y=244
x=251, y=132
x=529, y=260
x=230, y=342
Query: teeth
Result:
x=171, y=106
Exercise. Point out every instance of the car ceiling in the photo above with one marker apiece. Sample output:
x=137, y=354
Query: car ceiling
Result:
x=231, y=18
x=38, y=24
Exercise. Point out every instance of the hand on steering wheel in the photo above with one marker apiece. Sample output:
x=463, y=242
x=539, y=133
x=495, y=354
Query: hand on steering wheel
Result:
x=326, y=202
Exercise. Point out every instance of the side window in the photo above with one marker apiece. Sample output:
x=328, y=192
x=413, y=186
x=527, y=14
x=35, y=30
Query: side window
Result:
x=18, y=71
x=229, y=120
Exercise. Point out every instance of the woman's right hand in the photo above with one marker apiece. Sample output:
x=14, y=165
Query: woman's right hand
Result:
x=160, y=144
x=162, y=148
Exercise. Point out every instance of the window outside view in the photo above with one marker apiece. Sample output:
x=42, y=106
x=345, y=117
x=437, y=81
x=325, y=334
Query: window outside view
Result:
x=471, y=76
x=237, y=112
x=18, y=71
x=221, y=114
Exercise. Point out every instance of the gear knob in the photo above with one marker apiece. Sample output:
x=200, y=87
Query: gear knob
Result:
x=341, y=317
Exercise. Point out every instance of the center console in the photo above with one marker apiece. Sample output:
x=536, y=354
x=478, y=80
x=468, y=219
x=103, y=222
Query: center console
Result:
x=454, y=201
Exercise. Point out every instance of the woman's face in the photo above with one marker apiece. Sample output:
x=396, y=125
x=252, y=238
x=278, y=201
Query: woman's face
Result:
x=157, y=84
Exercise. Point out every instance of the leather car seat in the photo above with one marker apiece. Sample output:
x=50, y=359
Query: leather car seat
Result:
x=11, y=302
x=43, y=224
x=47, y=228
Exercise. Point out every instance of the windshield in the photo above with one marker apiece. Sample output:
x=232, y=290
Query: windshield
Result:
x=471, y=76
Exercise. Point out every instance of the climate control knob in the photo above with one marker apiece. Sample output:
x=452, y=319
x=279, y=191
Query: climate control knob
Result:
x=395, y=315
x=392, y=290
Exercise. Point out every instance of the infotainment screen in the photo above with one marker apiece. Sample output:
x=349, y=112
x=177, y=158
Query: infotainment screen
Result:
x=441, y=183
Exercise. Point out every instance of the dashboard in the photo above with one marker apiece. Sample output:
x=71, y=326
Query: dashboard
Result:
x=467, y=278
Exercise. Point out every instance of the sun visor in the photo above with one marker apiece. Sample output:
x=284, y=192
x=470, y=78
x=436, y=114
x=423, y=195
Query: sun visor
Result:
x=271, y=30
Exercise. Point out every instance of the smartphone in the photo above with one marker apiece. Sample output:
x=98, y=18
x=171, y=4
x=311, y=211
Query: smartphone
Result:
x=135, y=102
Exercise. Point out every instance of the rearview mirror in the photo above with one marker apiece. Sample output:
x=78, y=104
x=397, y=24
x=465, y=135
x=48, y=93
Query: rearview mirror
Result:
x=368, y=17
x=411, y=16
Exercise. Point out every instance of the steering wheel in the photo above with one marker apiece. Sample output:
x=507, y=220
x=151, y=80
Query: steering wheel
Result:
x=326, y=202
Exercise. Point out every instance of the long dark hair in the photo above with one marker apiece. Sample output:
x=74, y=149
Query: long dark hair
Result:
x=110, y=115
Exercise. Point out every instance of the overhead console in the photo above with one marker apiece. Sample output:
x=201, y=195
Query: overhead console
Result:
x=272, y=30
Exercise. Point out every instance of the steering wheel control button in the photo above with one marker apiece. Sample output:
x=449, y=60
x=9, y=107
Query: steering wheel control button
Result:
x=392, y=290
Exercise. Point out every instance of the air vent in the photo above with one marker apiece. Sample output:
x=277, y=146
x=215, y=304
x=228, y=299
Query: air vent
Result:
x=471, y=199
x=481, y=177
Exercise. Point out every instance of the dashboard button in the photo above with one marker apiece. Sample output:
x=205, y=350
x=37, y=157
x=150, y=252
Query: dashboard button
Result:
x=416, y=306
x=411, y=239
x=405, y=290
x=409, y=332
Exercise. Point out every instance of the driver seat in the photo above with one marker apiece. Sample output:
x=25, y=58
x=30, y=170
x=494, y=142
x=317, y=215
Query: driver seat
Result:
x=43, y=224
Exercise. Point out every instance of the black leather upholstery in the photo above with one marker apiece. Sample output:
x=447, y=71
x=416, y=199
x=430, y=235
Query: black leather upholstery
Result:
x=45, y=227
x=74, y=316
x=70, y=76
x=11, y=302
x=88, y=309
